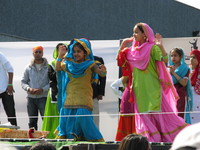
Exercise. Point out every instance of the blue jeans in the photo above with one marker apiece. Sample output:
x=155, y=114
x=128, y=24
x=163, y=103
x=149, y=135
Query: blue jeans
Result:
x=33, y=106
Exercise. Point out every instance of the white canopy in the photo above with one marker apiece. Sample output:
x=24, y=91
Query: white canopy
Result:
x=192, y=3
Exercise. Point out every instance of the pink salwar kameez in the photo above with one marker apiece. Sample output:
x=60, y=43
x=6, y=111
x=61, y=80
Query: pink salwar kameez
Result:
x=153, y=91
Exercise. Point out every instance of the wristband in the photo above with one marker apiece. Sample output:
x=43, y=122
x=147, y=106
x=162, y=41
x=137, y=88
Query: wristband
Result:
x=59, y=59
x=10, y=84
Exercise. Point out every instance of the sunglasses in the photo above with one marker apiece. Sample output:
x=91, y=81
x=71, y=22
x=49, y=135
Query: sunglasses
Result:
x=38, y=52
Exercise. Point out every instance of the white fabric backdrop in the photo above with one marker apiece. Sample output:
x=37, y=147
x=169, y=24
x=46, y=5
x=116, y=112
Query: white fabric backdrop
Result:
x=20, y=54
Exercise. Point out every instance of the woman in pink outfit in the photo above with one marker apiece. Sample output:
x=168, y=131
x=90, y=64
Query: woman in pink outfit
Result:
x=152, y=87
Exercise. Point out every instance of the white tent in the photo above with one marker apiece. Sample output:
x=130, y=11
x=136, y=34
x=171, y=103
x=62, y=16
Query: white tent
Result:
x=192, y=3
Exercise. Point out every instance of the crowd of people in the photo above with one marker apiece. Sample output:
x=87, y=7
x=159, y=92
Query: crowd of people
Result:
x=160, y=89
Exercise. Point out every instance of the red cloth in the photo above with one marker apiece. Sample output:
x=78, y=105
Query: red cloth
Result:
x=182, y=92
x=196, y=71
x=123, y=63
x=126, y=126
x=126, y=69
x=195, y=81
x=30, y=133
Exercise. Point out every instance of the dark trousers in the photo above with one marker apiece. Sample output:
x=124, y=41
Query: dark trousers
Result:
x=9, y=107
x=33, y=106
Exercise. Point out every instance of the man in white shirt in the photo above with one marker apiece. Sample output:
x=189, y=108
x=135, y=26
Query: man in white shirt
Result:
x=6, y=89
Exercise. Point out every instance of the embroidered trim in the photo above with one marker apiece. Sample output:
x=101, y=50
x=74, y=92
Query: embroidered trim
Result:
x=166, y=133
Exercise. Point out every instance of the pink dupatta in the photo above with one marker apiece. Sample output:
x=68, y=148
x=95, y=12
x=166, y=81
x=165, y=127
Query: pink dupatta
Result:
x=139, y=56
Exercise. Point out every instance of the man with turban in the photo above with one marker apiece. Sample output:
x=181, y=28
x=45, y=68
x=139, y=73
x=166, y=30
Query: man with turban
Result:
x=36, y=82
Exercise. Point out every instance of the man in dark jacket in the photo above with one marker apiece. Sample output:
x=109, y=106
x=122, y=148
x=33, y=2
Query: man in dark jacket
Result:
x=98, y=92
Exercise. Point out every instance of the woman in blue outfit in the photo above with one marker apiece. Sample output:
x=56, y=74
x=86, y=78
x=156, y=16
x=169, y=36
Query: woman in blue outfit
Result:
x=180, y=74
x=81, y=69
x=53, y=103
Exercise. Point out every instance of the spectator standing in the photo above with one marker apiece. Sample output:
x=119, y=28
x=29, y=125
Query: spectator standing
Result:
x=36, y=82
x=6, y=88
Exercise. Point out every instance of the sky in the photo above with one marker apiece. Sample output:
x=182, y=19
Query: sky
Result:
x=193, y=3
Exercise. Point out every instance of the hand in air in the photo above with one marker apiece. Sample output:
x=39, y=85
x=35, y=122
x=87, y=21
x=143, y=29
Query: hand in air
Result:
x=128, y=40
x=158, y=41
x=62, y=50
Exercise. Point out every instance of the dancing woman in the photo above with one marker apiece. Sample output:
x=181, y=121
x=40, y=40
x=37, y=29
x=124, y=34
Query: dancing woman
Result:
x=80, y=67
x=151, y=86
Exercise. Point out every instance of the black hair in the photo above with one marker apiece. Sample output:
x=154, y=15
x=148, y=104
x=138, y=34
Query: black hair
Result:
x=134, y=141
x=140, y=27
x=43, y=146
x=59, y=44
x=80, y=46
x=179, y=51
x=186, y=148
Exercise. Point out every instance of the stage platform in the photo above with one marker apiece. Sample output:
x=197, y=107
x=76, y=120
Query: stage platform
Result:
x=25, y=144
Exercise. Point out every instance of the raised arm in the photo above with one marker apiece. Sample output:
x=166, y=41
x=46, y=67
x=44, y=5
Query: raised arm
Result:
x=61, y=53
x=159, y=43
x=125, y=42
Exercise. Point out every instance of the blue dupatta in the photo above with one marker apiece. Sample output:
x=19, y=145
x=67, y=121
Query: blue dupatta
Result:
x=62, y=80
x=75, y=69
x=78, y=69
x=181, y=71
